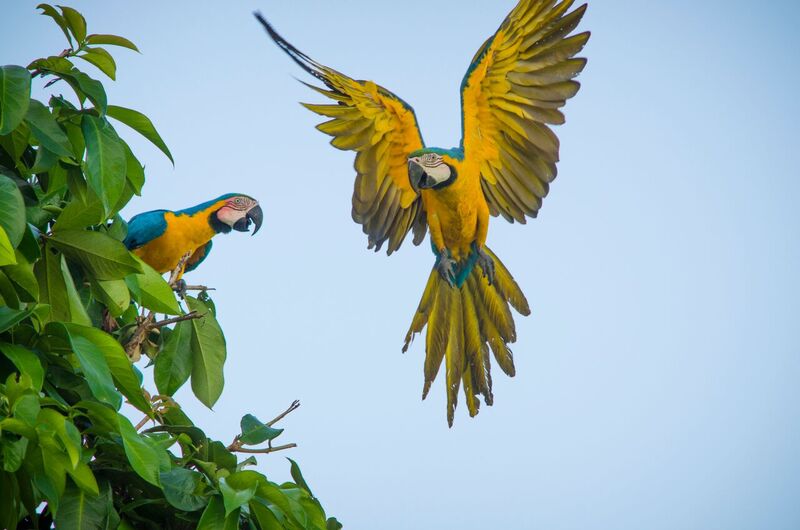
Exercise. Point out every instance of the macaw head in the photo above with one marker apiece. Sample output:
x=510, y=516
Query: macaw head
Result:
x=237, y=212
x=432, y=168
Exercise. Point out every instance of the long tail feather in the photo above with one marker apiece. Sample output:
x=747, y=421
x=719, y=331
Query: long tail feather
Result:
x=463, y=324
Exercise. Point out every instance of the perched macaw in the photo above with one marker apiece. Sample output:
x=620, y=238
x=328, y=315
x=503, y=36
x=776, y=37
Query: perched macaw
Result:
x=504, y=164
x=162, y=237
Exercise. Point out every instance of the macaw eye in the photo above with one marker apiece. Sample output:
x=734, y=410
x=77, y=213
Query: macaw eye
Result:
x=239, y=200
x=429, y=158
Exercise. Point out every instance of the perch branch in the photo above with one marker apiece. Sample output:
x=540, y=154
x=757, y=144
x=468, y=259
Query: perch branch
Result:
x=134, y=346
x=173, y=320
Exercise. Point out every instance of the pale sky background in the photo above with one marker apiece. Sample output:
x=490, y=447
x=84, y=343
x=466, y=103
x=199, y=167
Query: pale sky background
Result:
x=657, y=380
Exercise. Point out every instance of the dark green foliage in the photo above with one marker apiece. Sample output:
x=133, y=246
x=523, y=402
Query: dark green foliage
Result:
x=71, y=298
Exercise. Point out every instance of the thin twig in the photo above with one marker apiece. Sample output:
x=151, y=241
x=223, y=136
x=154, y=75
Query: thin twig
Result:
x=264, y=450
x=173, y=320
x=134, y=346
x=294, y=406
x=143, y=422
x=236, y=444
x=199, y=288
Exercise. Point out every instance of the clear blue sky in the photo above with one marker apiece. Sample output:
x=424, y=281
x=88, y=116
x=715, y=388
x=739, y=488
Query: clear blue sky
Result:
x=657, y=380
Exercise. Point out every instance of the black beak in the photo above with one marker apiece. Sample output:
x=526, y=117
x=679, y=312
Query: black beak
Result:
x=416, y=175
x=255, y=216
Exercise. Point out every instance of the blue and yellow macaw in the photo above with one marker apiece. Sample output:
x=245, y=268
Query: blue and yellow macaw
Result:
x=162, y=237
x=513, y=89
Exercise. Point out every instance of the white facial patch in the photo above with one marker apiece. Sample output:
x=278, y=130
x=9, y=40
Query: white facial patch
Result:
x=438, y=173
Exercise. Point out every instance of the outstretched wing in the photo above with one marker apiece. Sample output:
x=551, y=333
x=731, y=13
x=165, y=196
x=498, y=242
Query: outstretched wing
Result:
x=145, y=227
x=382, y=129
x=512, y=90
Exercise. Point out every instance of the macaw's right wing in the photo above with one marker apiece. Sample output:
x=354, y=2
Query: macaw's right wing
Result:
x=382, y=129
x=145, y=227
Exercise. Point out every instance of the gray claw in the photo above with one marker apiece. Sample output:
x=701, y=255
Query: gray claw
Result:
x=446, y=267
x=180, y=288
x=487, y=265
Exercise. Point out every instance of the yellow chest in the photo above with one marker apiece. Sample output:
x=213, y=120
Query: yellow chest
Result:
x=184, y=234
x=457, y=207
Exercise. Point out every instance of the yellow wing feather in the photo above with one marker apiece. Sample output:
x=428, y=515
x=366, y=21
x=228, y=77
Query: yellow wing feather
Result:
x=382, y=129
x=513, y=90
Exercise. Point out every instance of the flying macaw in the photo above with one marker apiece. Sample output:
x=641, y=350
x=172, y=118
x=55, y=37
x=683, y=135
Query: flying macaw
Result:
x=504, y=164
x=162, y=237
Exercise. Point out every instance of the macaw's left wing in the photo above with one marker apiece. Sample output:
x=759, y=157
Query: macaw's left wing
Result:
x=382, y=129
x=512, y=90
x=198, y=257
x=145, y=227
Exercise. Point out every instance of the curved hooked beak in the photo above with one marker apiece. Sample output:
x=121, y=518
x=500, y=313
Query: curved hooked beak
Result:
x=416, y=175
x=254, y=215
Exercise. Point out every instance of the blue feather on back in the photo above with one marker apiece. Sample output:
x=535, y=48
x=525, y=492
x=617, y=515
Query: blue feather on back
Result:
x=144, y=228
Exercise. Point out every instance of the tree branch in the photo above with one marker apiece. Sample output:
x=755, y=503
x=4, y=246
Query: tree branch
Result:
x=134, y=346
x=265, y=450
x=236, y=444
x=294, y=406
x=173, y=320
x=199, y=288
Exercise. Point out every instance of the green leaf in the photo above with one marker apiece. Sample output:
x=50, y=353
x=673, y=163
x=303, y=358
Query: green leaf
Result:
x=12, y=210
x=86, y=87
x=141, y=455
x=254, y=431
x=267, y=520
x=214, y=517
x=51, y=12
x=93, y=363
x=150, y=290
x=15, y=96
x=21, y=275
x=70, y=438
x=208, y=354
x=174, y=362
x=234, y=498
x=11, y=317
x=76, y=23
x=117, y=361
x=52, y=286
x=26, y=408
x=297, y=475
x=181, y=489
x=16, y=143
x=79, y=213
x=135, y=170
x=113, y=294
x=141, y=124
x=77, y=312
x=105, y=159
x=45, y=160
x=102, y=60
x=101, y=255
x=45, y=129
x=29, y=246
x=26, y=362
x=113, y=40
x=7, y=256
x=80, y=510
x=13, y=454
x=333, y=524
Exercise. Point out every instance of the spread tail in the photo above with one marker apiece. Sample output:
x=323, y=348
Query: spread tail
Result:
x=464, y=322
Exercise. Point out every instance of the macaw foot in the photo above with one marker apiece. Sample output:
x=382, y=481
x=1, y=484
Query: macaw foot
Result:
x=486, y=264
x=180, y=288
x=446, y=267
